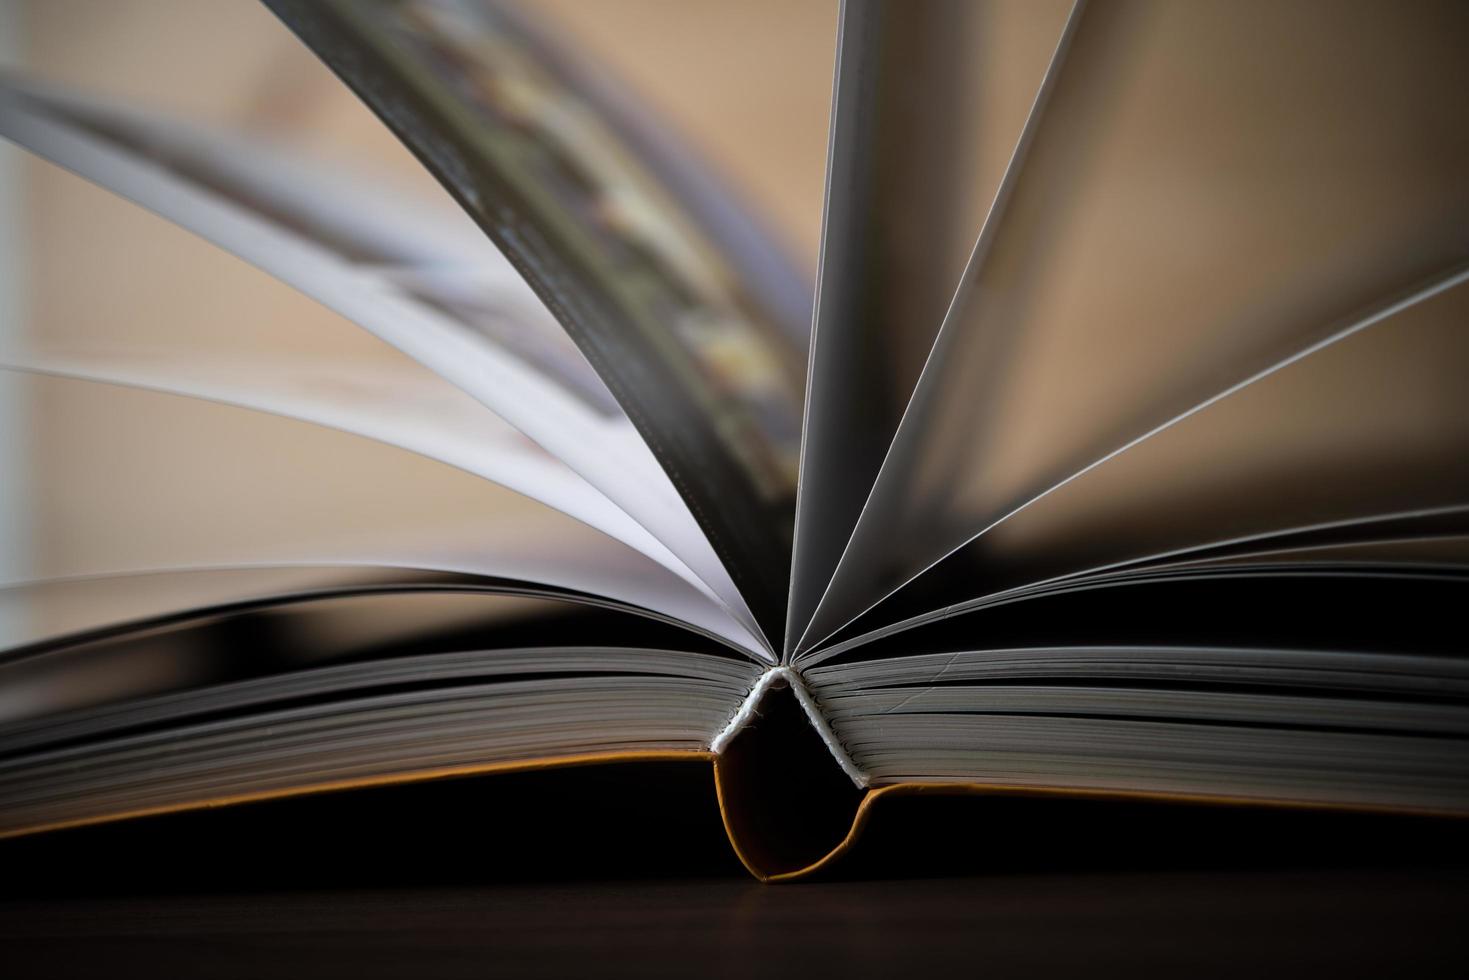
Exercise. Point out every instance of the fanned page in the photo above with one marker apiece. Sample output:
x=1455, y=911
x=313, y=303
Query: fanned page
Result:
x=276, y=572
x=289, y=222
x=1161, y=239
x=926, y=105
x=318, y=505
x=709, y=379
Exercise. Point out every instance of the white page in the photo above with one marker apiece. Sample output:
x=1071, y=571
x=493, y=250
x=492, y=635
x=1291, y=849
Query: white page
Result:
x=607, y=452
x=134, y=481
x=395, y=407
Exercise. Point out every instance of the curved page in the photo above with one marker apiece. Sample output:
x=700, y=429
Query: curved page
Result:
x=1367, y=430
x=929, y=101
x=1210, y=188
x=178, y=173
x=400, y=408
x=133, y=481
x=710, y=382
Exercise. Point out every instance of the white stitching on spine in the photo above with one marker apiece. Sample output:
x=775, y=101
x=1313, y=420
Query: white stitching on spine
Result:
x=813, y=714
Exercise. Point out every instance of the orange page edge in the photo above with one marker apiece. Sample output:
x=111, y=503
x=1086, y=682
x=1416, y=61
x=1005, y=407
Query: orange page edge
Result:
x=860, y=818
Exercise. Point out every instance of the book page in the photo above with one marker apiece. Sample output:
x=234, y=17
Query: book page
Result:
x=929, y=101
x=1210, y=189
x=235, y=489
x=393, y=406
x=315, y=233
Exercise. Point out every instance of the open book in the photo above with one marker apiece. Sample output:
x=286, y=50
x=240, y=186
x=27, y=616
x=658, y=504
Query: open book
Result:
x=1159, y=487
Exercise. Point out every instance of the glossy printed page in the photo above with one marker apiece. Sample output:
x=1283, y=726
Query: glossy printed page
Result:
x=709, y=380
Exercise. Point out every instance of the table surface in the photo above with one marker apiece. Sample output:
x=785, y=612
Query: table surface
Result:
x=626, y=872
x=1345, y=923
